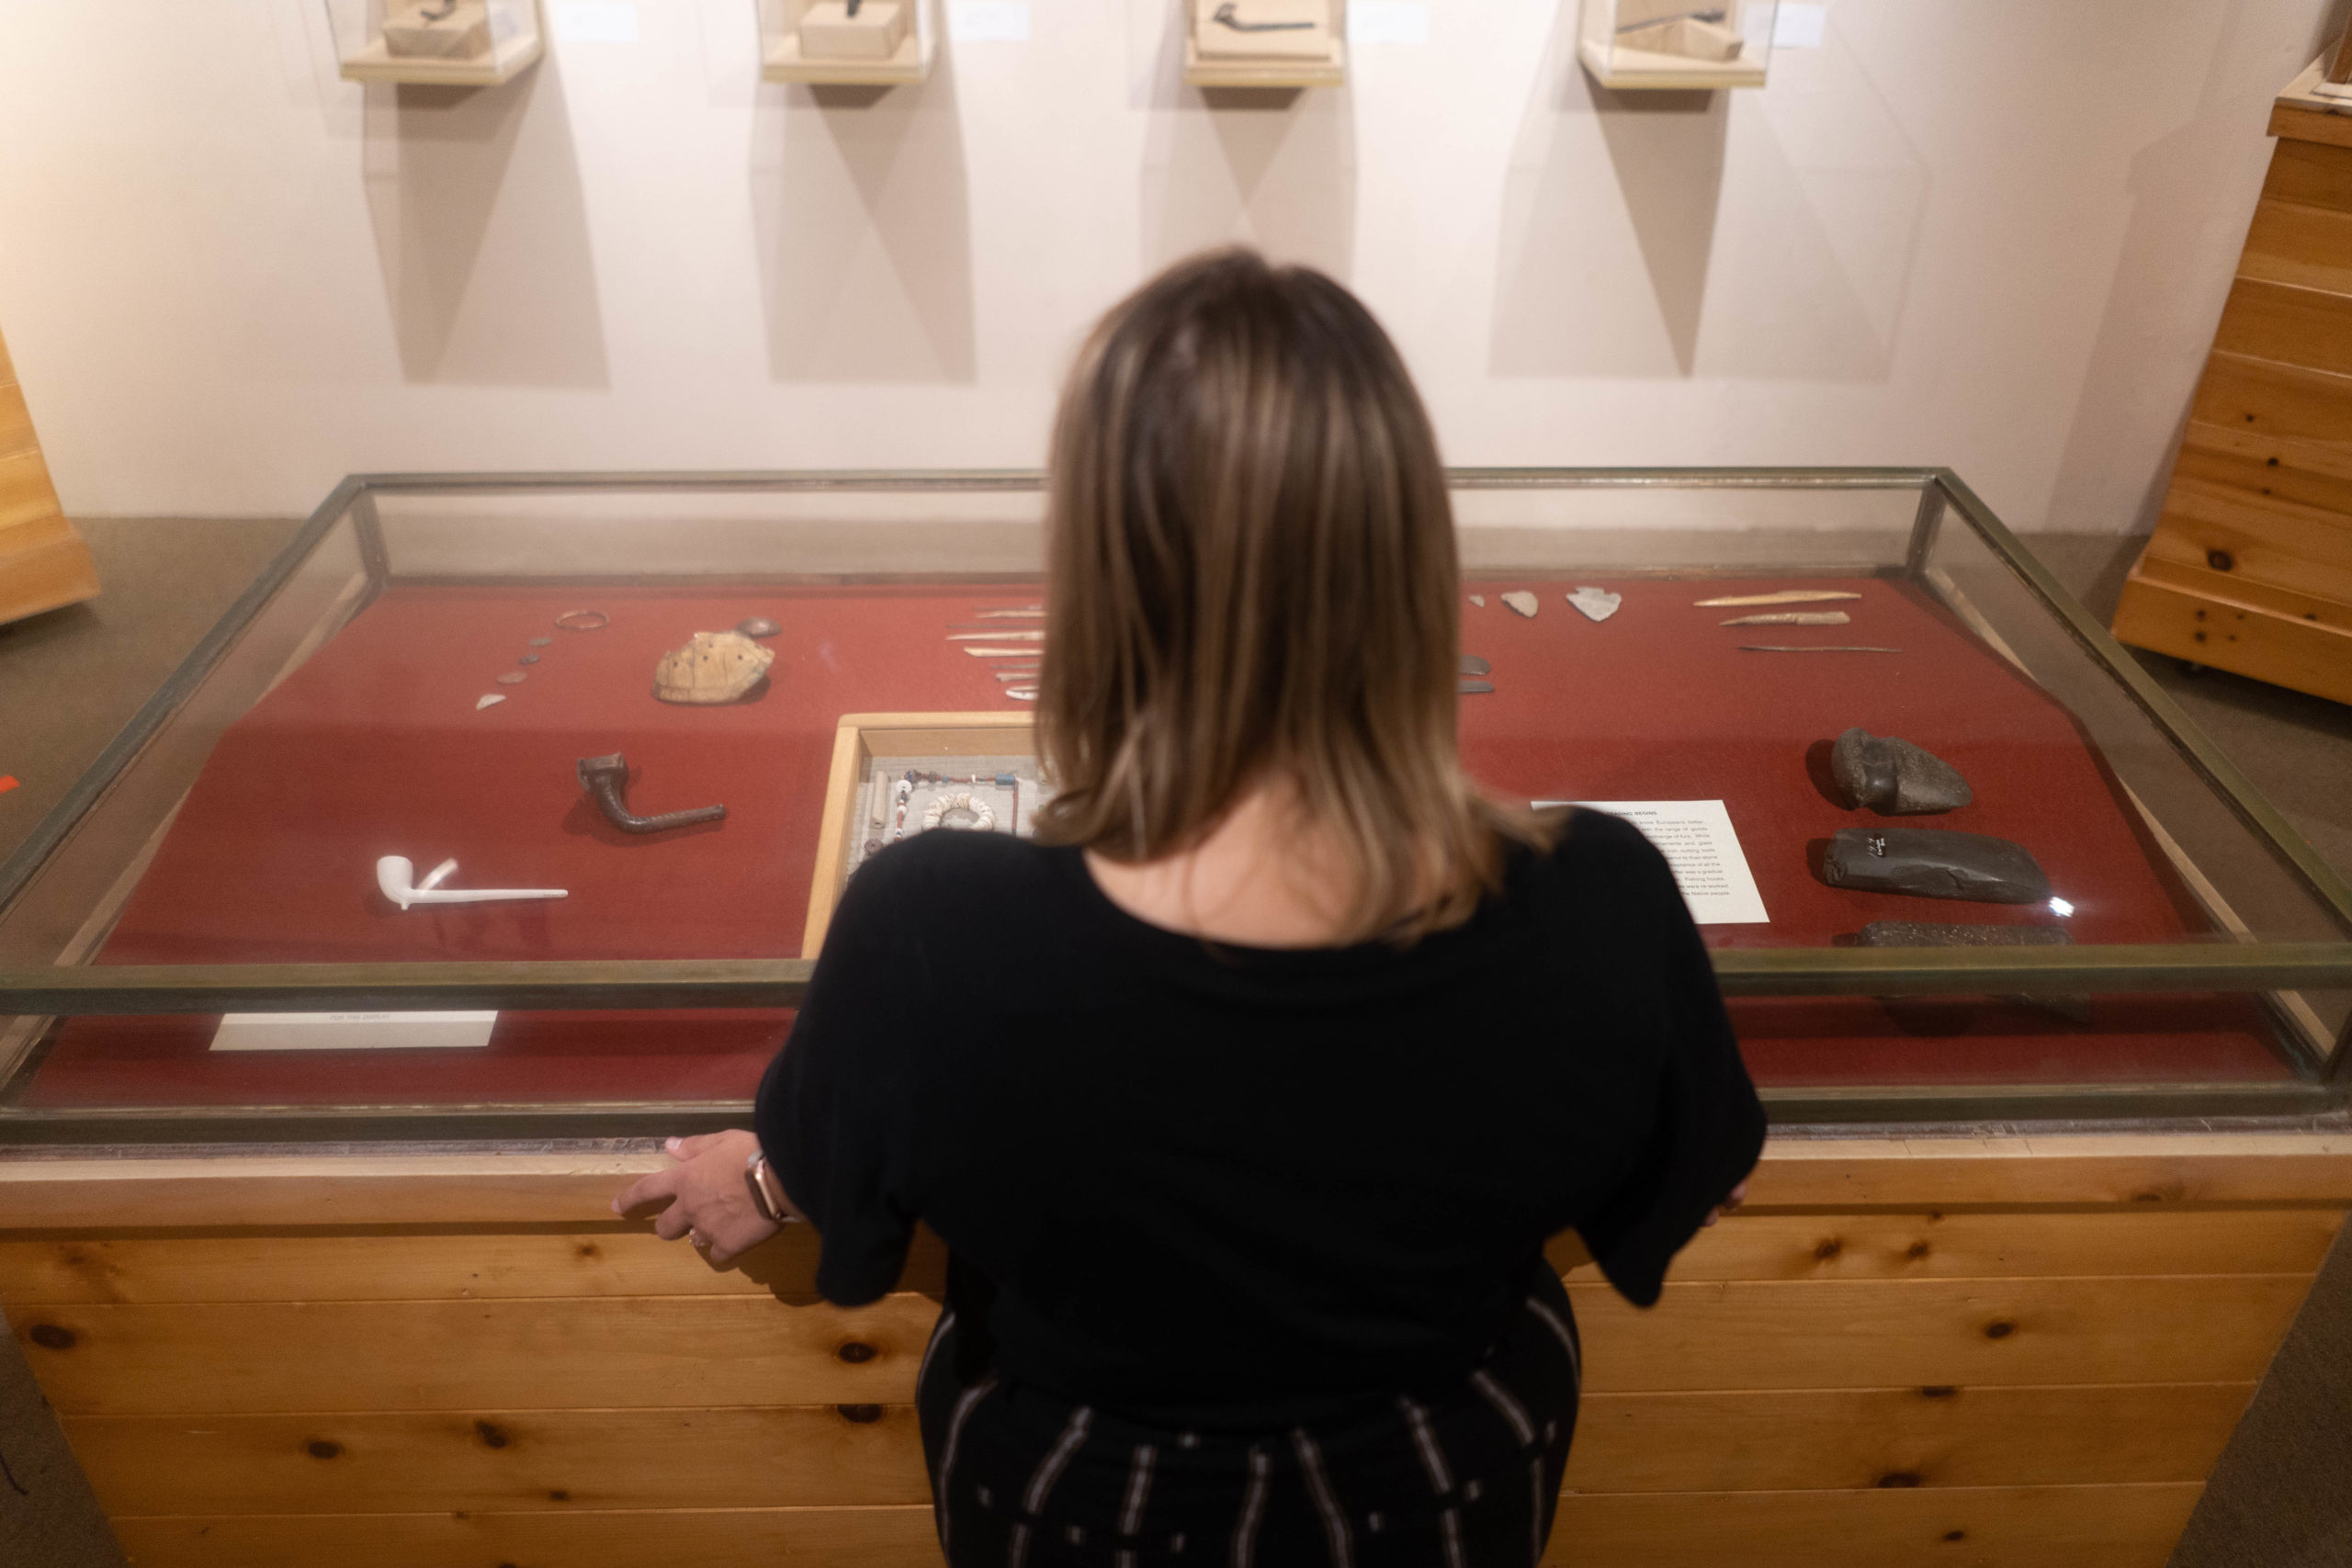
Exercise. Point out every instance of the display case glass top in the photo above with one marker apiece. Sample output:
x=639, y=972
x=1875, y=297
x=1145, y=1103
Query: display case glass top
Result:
x=1677, y=43
x=454, y=43
x=656, y=723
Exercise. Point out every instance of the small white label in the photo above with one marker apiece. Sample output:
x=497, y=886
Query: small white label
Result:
x=595, y=21
x=1696, y=838
x=354, y=1030
x=1799, y=26
x=989, y=21
x=1388, y=21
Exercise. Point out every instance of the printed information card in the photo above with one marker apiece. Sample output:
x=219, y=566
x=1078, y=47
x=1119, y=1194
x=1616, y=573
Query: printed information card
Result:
x=354, y=1030
x=1695, y=836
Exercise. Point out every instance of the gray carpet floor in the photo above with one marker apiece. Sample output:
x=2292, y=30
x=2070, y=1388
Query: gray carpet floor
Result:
x=2281, y=1498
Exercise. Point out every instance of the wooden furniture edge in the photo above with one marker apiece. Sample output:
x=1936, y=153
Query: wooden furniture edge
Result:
x=324, y=1188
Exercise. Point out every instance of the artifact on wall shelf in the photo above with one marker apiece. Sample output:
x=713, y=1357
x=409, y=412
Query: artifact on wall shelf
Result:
x=1265, y=43
x=449, y=43
x=44, y=565
x=1677, y=44
x=851, y=43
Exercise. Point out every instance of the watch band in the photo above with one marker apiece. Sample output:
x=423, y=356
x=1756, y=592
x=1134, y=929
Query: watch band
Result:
x=767, y=1193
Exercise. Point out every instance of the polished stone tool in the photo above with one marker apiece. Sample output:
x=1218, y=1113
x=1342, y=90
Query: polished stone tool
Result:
x=1934, y=864
x=1474, y=665
x=607, y=780
x=1896, y=777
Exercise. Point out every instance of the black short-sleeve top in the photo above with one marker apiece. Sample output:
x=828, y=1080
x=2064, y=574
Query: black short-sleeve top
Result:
x=1194, y=1181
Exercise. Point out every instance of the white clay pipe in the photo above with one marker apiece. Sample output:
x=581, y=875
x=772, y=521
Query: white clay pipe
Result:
x=396, y=878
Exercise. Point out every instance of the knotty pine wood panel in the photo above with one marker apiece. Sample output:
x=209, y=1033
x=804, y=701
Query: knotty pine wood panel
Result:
x=736, y=1537
x=1934, y=1245
x=628, y=1262
x=618, y=1260
x=335, y=1192
x=2222, y=595
x=654, y=1352
x=2297, y=326
x=2035, y=1526
x=2270, y=542
x=2021, y=1526
x=2159, y=610
x=2313, y=473
x=2313, y=126
x=2264, y=397
x=505, y=1460
x=1799, y=1440
x=2309, y=175
x=2307, y=246
x=1968, y=1333
x=634, y=1351
x=518, y=1461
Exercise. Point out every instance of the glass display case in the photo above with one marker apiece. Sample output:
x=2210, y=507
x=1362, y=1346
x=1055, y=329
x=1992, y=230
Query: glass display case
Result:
x=874, y=43
x=1265, y=43
x=462, y=43
x=506, y=806
x=1677, y=43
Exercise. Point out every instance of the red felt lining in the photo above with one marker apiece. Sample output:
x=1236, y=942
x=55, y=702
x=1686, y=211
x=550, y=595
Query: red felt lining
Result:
x=374, y=746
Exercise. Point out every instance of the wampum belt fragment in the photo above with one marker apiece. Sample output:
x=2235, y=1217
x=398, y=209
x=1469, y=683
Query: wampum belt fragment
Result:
x=607, y=780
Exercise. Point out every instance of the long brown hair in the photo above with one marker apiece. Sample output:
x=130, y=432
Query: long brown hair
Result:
x=1253, y=579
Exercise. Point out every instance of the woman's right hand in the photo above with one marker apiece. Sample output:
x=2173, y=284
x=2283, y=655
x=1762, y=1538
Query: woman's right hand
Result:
x=1732, y=1201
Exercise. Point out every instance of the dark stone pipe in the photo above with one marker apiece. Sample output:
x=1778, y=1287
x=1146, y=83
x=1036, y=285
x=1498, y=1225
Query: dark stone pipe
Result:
x=607, y=780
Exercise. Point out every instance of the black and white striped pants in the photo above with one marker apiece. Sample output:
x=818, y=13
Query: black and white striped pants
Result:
x=1022, y=1479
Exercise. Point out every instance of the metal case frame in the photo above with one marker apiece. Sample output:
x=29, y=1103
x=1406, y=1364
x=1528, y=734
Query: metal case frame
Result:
x=2323, y=1084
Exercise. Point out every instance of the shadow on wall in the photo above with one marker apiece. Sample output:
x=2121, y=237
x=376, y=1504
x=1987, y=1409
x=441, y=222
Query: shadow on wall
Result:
x=1270, y=167
x=1772, y=240
x=482, y=234
x=865, y=232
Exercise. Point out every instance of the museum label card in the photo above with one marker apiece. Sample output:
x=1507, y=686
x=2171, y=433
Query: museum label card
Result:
x=354, y=1030
x=989, y=21
x=1696, y=838
x=1388, y=21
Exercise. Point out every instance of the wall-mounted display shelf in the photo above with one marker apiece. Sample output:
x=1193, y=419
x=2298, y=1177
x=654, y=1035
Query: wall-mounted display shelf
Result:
x=1265, y=43
x=447, y=43
x=868, y=43
x=1677, y=44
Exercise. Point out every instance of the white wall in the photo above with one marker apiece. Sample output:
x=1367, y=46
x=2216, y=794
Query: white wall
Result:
x=1991, y=233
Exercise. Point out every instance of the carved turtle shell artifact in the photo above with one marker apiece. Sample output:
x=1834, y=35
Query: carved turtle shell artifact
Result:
x=714, y=668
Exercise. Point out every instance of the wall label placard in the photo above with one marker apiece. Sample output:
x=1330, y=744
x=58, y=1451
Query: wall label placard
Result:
x=989, y=21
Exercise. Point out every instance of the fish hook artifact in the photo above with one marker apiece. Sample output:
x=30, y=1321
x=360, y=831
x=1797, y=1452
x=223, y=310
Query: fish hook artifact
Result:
x=607, y=780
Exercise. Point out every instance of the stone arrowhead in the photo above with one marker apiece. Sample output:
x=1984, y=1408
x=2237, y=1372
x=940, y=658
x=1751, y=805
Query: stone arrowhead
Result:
x=491, y=701
x=1598, y=604
x=1522, y=601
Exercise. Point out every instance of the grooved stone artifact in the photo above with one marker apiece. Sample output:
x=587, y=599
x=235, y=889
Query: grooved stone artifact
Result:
x=1895, y=777
x=1934, y=864
x=1923, y=934
x=1521, y=602
x=607, y=780
x=716, y=667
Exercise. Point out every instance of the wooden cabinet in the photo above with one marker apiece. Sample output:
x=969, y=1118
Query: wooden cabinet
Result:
x=2250, y=567
x=43, y=562
x=2016, y=1351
